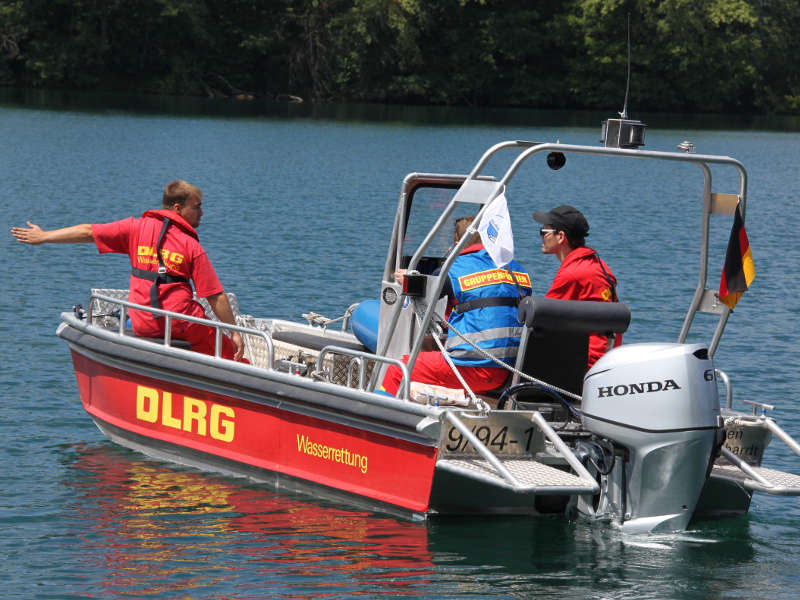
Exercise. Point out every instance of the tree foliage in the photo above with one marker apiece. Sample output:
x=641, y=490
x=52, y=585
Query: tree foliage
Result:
x=707, y=55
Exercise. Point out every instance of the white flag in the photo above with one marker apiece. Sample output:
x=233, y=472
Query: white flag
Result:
x=495, y=232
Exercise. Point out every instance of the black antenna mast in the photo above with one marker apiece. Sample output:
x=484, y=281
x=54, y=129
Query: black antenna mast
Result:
x=624, y=113
x=624, y=132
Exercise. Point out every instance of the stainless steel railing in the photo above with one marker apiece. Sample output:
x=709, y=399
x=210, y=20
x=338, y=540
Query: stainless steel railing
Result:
x=169, y=316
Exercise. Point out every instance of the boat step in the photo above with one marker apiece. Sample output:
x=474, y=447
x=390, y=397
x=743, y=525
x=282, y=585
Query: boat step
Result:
x=781, y=483
x=532, y=476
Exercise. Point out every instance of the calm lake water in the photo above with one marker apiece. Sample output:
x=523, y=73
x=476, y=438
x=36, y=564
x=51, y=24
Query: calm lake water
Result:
x=298, y=211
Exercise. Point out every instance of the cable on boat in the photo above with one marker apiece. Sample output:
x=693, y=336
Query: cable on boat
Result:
x=480, y=404
x=607, y=449
x=514, y=389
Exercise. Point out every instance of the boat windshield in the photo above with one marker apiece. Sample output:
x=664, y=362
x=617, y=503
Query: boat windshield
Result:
x=426, y=206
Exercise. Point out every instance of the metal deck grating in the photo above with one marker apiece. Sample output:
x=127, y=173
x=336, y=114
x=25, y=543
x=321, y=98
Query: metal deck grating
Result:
x=528, y=472
x=786, y=484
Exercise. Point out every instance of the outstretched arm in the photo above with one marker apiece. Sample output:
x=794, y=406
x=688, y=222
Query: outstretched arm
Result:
x=222, y=308
x=33, y=234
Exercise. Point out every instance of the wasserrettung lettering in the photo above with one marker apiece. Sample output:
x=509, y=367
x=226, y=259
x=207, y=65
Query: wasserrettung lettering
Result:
x=340, y=455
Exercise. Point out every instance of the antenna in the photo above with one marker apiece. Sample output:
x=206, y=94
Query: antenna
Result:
x=624, y=132
x=624, y=113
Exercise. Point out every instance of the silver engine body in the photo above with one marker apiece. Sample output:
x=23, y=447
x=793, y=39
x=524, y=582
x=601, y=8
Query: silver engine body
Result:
x=658, y=405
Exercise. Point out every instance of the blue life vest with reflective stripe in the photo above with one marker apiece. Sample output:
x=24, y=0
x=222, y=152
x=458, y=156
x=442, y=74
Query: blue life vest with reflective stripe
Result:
x=492, y=324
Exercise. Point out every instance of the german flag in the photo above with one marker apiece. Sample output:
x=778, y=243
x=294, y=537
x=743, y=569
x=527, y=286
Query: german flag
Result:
x=739, y=270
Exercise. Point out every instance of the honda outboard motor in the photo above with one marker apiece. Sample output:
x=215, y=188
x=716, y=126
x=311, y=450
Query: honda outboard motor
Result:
x=658, y=405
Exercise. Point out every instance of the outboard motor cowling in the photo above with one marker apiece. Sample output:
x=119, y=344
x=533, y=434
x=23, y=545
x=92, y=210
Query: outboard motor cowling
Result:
x=660, y=403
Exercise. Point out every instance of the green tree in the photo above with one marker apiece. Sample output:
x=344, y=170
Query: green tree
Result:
x=12, y=33
x=686, y=55
x=779, y=21
x=377, y=55
x=479, y=52
x=709, y=55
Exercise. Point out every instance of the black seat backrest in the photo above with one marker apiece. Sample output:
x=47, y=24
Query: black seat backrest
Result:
x=555, y=342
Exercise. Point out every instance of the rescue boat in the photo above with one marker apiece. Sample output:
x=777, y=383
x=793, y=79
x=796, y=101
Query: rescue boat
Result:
x=641, y=440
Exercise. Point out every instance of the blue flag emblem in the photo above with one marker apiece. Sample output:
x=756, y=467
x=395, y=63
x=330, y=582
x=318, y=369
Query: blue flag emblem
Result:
x=491, y=231
x=495, y=231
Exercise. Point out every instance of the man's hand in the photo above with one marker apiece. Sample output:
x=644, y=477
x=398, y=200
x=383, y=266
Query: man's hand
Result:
x=238, y=345
x=222, y=308
x=32, y=234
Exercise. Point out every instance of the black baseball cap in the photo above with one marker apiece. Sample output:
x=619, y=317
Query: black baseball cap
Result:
x=565, y=218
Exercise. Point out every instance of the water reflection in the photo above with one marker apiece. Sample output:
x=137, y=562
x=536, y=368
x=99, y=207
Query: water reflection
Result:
x=150, y=529
x=147, y=528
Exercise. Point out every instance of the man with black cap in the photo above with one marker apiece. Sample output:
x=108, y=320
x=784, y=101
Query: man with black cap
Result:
x=583, y=275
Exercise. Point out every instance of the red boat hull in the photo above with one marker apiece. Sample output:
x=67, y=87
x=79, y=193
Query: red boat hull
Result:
x=376, y=466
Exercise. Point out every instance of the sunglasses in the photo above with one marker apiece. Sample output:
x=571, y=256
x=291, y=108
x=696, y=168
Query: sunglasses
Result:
x=545, y=230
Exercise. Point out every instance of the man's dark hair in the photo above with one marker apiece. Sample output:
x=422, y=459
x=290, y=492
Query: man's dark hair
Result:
x=576, y=241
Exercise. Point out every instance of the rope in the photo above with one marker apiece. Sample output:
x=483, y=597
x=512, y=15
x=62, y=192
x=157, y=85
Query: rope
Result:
x=477, y=402
x=318, y=319
x=474, y=399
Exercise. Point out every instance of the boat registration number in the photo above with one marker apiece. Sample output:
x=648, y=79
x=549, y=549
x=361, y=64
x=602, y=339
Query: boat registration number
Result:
x=500, y=434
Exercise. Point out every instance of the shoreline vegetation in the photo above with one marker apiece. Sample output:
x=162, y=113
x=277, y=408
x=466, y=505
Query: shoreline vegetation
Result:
x=716, y=56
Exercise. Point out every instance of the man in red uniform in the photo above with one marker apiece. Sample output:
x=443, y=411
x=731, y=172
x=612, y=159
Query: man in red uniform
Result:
x=165, y=254
x=583, y=275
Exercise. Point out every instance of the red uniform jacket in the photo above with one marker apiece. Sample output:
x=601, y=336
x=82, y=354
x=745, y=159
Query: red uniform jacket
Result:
x=581, y=277
x=182, y=254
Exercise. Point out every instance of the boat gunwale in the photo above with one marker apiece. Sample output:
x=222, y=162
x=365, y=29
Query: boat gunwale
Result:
x=331, y=402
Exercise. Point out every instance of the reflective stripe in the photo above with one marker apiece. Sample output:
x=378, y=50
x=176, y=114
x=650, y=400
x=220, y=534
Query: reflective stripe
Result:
x=469, y=352
x=484, y=336
x=478, y=283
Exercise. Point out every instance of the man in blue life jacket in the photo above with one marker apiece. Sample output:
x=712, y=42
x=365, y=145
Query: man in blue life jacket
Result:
x=483, y=300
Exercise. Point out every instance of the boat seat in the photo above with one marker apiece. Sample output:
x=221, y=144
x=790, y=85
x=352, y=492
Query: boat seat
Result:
x=555, y=341
x=314, y=342
x=492, y=396
x=183, y=344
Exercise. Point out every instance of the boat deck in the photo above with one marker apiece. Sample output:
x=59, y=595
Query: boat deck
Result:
x=780, y=482
x=529, y=473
